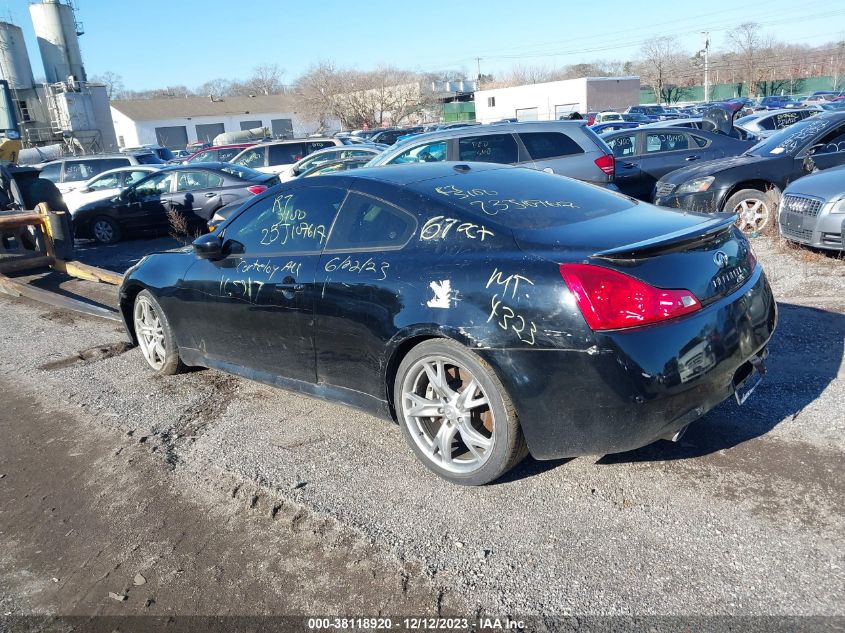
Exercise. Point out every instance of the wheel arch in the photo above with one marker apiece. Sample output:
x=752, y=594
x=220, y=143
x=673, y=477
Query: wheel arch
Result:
x=760, y=184
x=128, y=292
x=402, y=343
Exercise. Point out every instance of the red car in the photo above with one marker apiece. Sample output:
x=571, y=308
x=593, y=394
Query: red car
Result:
x=217, y=153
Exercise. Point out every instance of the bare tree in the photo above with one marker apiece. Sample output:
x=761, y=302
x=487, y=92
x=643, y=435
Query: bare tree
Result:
x=265, y=80
x=660, y=64
x=749, y=45
x=215, y=88
x=113, y=83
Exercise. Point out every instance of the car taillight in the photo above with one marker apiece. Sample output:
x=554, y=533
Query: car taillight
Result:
x=607, y=164
x=256, y=189
x=752, y=258
x=610, y=300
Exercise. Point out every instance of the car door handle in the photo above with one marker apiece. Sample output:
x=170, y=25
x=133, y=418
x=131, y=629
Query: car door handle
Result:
x=692, y=157
x=290, y=287
x=628, y=165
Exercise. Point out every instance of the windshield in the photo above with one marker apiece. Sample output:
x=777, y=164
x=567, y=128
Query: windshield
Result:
x=791, y=140
x=245, y=173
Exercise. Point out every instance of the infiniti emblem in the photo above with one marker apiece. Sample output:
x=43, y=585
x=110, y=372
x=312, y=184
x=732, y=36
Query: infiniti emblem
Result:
x=721, y=259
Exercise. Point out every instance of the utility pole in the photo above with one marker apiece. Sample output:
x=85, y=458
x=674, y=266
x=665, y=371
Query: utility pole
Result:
x=478, y=76
x=706, y=35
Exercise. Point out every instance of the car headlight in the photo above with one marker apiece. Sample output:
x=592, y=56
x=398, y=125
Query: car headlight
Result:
x=838, y=206
x=696, y=185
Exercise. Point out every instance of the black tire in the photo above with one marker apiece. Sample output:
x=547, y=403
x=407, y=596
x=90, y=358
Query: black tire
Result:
x=750, y=197
x=111, y=232
x=508, y=443
x=171, y=364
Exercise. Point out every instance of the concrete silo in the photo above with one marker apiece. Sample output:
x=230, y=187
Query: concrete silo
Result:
x=58, y=40
x=14, y=59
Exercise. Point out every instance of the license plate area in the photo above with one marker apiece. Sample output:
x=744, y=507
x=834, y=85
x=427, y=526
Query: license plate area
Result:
x=796, y=222
x=747, y=377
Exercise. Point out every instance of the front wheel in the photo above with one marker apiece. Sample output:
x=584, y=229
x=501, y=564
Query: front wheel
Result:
x=456, y=415
x=106, y=230
x=155, y=337
x=754, y=207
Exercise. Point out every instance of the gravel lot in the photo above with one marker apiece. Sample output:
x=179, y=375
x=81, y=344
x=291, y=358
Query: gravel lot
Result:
x=743, y=517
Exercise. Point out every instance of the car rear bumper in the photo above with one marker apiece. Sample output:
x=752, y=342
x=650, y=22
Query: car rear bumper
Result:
x=636, y=386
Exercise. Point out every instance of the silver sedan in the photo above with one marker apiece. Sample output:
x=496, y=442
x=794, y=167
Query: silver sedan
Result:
x=812, y=210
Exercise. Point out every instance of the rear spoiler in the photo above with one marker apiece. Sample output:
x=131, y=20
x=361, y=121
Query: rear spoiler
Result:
x=706, y=230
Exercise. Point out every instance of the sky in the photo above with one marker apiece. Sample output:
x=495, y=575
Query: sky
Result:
x=156, y=43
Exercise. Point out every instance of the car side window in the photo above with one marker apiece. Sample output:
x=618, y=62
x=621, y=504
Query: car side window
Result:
x=107, y=181
x=224, y=155
x=195, y=180
x=427, y=153
x=489, y=148
x=623, y=146
x=155, y=186
x=134, y=176
x=367, y=223
x=313, y=146
x=542, y=145
x=699, y=140
x=665, y=142
x=203, y=157
x=251, y=158
x=293, y=221
x=286, y=153
x=51, y=171
x=833, y=141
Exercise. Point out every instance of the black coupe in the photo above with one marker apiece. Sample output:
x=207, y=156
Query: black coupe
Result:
x=751, y=184
x=492, y=311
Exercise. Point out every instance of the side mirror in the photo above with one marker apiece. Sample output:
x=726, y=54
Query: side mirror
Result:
x=209, y=246
x=85, y=190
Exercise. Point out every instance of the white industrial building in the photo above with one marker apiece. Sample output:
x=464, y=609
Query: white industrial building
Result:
x=553, y=100
x=66, y=110
x=175, y=122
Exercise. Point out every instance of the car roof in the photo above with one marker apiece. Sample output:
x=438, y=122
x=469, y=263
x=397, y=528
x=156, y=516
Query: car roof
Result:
x=520, y=126
x=217, y=165
x=411, y=173
x=286, y=141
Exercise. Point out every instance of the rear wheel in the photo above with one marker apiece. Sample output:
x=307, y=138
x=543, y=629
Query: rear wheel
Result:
x=755, y=208
x=155, y=338
x=106, y=230
x=456, y=415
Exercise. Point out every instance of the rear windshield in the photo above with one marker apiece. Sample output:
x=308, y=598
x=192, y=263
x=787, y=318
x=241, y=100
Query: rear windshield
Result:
x=524, y=198
x=244, y=173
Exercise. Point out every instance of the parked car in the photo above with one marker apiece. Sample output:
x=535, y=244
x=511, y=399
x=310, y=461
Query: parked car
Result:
x=812, y=210
x=778, y=102
x=217, y=154
x=107, y=185
x=71, y=172
x=751, y=184
x=615, y=126
x=607, y=117
x=273, y=158
x=179, y=154
x=765, y=123
x=164, y=153
x=568, y=148
x=654, y=112
x=389, y=137
x=636, y=117
x=330, y=154
x=487, y=331
x=645, y=155
x=195, y=191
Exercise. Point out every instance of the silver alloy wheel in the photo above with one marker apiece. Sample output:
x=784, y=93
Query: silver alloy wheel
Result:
x=103, y=231
x=148, y=329
x=753, y=215
x=448, y=414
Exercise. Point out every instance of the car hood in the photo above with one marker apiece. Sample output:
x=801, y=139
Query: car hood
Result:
x=828, y=184
x=712, y=167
